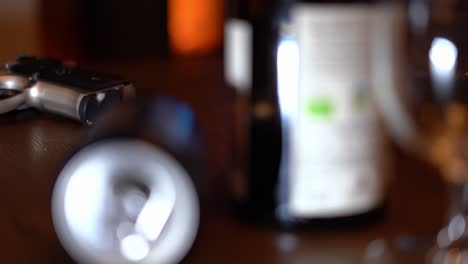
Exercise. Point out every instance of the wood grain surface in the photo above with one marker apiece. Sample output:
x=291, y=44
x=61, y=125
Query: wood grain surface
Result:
x=33, y=147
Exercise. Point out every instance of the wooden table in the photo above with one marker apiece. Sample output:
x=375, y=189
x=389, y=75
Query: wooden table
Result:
x=34, y=145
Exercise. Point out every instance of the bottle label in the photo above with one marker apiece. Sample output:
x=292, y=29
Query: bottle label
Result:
x=335, y=138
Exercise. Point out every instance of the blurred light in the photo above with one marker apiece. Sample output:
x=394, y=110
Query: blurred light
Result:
x=288, y=75
x=134, y=247
x=238, y=54
x=100, y=97
x=84, y=190
x=443, y=58
x=454, y=231
x=9, y=84
x=34, y=92
x=456, y=228
x=154, y=216
x=443, y=54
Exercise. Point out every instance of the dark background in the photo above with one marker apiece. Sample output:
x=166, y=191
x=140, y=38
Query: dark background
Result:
x=79, y=30
x=104, y=29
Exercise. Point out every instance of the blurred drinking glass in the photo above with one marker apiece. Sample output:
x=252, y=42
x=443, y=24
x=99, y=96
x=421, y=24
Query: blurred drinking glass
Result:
x=431, y=118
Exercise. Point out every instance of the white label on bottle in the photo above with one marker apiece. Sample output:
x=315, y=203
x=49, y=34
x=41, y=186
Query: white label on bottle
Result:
x=238, y=54
x=335, y=137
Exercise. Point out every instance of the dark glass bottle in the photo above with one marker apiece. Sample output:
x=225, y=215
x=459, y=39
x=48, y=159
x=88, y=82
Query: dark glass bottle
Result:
x=309, y=146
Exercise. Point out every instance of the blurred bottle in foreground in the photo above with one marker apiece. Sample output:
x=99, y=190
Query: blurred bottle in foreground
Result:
x=128, y=194
x=309, y=144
